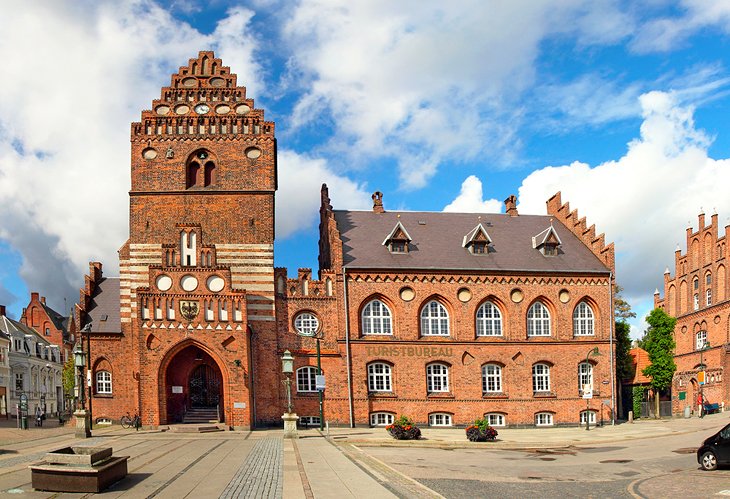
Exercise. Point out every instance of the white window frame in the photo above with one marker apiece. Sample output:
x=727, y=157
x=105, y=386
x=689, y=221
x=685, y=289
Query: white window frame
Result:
x=538, y=320
x=308, y=420
x=585, y=375
x=381, y=418
x=583, y=320
x=306, y=379
x=434, y=319
x=440, y=419
x=380, y=377
x=591, y=417
x=700, y=340
x=306, y=323
x=708, y=297
x=491, y=381
x=489, y=320
x=437, y=378
x=496, y=419
x=696, y=301
x=376, y=318
x=540, y=378
x=544, y=419
x=103, y=383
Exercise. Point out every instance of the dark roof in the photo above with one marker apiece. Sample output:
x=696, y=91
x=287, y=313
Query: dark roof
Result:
x=438, y=238
x=57, y=319
x=104, y=308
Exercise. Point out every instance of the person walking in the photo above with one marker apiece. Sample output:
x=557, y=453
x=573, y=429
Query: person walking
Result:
x=700, y=405
x=38, y=416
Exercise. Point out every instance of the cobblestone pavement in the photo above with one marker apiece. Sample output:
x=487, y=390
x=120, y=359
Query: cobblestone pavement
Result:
x=260, y=476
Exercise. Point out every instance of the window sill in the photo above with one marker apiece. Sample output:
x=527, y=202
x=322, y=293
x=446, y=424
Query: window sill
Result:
x=103, y=396
x=382, y=395
x=538, y=336
x=439, y=395
x=307, y=394
x=596, y=393
x=544, y=395
x=495, y=395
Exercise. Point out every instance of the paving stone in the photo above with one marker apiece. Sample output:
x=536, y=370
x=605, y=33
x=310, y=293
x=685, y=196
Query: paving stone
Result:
x=261, y=474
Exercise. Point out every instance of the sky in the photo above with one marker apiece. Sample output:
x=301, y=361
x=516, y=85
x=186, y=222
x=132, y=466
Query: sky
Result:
x=620, y=105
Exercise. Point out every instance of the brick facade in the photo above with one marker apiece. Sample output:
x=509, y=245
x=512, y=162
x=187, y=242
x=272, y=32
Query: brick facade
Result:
x=200, y=300
x=697, y=295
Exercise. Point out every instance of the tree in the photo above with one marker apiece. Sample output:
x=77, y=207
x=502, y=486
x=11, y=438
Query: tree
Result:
x=621, y=308
x=68, y=377
x=659, y=343
x=624, y=362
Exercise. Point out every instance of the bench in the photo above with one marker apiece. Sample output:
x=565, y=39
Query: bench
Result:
x=710, y=408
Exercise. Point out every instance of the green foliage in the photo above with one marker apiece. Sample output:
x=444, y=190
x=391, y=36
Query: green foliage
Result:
x=621, y=308
x=659, y=344
x=68, y=376
x=638, y=396
x=403, y=421
x=481, y=423
x=624, y=362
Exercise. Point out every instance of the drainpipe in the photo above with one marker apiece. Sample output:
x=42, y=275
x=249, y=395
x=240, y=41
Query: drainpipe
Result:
x=347, y=349
x=613, y=367
x=252, y=386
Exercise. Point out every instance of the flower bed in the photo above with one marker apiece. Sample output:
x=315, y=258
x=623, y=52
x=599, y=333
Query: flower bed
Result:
x=404, y=429
x=480, y=431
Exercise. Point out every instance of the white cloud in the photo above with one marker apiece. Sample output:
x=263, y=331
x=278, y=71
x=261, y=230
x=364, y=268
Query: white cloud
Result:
x=69, y=94
x=424, y=83
x=298, y=197
x=644, y=199
x=470, y=199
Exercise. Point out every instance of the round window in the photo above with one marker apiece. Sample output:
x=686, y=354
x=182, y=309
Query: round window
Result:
x=306, y=324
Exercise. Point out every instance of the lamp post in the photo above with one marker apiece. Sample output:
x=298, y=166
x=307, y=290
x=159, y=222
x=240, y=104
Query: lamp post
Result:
x=589, y=395
x=700, y=409
x=83, y=427
x=290, y=418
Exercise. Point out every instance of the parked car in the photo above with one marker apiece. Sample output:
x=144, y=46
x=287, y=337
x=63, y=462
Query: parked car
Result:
x=715, y=451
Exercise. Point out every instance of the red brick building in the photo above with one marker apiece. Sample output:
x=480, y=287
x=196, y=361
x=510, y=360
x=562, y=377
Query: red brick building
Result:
x=56, y=328
x=440, y=316
x=697, y=295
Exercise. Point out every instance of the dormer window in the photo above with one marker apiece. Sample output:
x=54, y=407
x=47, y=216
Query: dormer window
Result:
x=398, y=239
x=477, y=240
x=547, y=242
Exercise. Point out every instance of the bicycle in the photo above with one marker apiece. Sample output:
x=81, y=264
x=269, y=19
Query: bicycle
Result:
x=128, y=421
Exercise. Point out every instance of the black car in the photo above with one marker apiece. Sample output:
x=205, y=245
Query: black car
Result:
x=715, y=450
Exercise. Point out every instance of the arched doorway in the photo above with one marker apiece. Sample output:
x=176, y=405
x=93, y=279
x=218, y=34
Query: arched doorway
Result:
x=193, y=386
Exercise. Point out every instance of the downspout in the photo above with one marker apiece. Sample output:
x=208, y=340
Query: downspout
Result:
x=613, y=367
x=347, y=349
x=251, y=379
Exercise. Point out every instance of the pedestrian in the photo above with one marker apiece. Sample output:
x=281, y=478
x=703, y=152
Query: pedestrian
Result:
x=38, y=416
x=700, y=408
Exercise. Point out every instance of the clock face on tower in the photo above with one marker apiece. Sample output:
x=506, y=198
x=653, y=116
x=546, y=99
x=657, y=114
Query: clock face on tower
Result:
x=202, y=108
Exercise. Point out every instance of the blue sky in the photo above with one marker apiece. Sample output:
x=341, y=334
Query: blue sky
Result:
x=621, y=107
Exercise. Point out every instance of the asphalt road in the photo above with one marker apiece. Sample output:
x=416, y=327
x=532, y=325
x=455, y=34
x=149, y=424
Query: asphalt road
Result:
x=650, y=467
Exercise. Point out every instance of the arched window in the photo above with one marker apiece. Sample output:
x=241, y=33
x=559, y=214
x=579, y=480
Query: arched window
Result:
x=376, y=318
x=495, y=419
x=306, y=324
x=489, y=320
x=434, y=319
x=103, y=383
x=306, y=379
x=583, y=320
x=439, y=419
x=381, y=418
x=590, y=415
x=491, y=378
x=538, y=320
x=209, y=174
x=437, y=378
x=379, y=377
x=543, y=419
x=200, y=170
x=541, y=378
x=585, y=375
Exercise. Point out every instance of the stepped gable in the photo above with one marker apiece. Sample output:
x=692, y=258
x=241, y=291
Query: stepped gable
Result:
x=578, y=226
x=202, y=96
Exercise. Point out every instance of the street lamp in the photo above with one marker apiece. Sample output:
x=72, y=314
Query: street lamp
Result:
x=83, y=429
x=290, y=418
x=589, y=395
x=313, y=331
x=704, y=347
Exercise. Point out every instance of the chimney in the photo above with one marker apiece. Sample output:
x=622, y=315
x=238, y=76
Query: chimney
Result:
x=34, y=296
x=2, y=309
x=43, y=300
x=510, y=206
x=378, y=202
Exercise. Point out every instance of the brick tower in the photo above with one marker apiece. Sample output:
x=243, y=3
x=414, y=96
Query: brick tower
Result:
x=196, y=274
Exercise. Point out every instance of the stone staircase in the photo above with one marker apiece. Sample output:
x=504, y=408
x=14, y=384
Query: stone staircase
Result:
x=201, y=415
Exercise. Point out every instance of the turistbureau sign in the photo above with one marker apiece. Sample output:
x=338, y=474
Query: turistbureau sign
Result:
x=409, y=351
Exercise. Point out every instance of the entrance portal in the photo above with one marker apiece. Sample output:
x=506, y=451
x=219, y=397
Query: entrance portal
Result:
x=193, y=383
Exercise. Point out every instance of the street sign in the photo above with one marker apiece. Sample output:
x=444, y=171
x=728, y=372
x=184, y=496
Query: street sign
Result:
x=587, y=391
x=319, y=381
x=23, y=402
x=701, y=377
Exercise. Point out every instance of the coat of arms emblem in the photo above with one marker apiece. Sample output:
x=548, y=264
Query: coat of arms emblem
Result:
x=189, y=309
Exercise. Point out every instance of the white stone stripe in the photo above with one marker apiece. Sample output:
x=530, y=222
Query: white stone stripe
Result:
x=269, y=306
x=255, y=287
x=245, y=246
x=261, y=318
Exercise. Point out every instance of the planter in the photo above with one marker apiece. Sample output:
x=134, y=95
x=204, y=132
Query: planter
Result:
x=404, y=432
x=475, y=434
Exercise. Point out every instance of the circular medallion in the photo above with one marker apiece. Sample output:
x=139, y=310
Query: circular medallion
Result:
x=716, y=320
x=564, y=296
x=215, y=283
x=163, y=282
x=253, y=152
x=516, y=295
x=306, y=324
x=189, y=82
x=684, y=329
x=407, y=294
x=223, y=109
x=202, y=108
x=189, y=283
x=217, y=82
x=149, y=153
x=464, y=295
x=242, y=109
x=162, y=110
x=183, y=109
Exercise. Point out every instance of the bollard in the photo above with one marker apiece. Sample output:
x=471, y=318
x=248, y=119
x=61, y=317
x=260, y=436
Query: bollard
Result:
x=631, y=416
x=687, y=412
